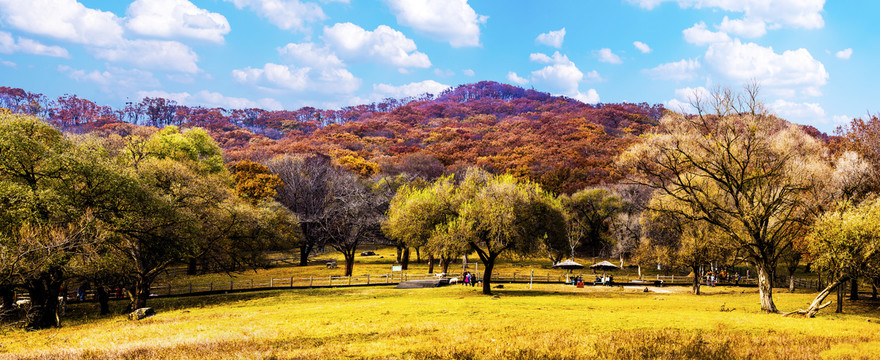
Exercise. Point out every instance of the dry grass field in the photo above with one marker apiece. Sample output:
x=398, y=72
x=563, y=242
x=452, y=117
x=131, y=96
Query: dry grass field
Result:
x=546, y=322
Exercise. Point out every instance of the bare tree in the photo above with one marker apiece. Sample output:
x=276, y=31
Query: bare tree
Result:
x=741, y=170
x=307, y=192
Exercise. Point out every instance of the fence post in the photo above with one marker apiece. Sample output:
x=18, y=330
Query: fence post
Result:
x=310, y=281
x=271, y=282
x=230, y=285
x=514, y=277
x=291, y=281
x=212, y=286
x=252, y=283
x=349, y=280
x=190, y=288
x=330, y=280
x=368, y=279
x=387, y=279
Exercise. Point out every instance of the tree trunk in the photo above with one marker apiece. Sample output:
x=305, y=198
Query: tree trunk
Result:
x=792, y=268
x=43, y=313
x=765, y=287
x=430, y=263
x=444, y=262
x=404, y=261
x=7, y=294
x=192, y=267
x=854, y=289
x=874, y=291
x=841, y=287
x=8, y=298
x=103, y=299
x=816, y=305
x=418, y=255
x=399, y=254
x=487, y=276
x=696, y=285
x=304, y=250
x=349, y=263
x=139, y=294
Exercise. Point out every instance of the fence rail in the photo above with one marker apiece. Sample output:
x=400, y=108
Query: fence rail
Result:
x=237, y=285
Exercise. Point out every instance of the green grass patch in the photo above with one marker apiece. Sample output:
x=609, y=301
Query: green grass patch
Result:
x=546, y=322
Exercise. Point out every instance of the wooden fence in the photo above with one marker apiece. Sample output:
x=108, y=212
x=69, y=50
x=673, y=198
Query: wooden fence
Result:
x=253, y=284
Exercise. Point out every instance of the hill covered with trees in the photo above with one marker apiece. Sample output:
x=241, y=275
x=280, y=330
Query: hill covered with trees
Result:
x=561, y=143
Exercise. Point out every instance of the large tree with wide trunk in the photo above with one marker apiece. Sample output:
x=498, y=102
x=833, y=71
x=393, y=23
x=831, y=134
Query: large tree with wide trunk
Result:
x=739, y=169
x=53, y=193
x=496, y=215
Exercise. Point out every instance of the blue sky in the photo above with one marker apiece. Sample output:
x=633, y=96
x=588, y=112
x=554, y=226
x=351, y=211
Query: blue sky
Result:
x=812, y=59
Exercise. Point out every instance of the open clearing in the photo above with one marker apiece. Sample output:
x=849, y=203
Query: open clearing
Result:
x=548, y=322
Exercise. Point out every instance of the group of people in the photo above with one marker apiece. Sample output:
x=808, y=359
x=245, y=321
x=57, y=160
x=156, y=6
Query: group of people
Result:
x=712, y=278
x=604, y=280
x=469, y=279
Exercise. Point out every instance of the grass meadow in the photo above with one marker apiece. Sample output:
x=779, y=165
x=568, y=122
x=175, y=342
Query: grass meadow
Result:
x=549, y=321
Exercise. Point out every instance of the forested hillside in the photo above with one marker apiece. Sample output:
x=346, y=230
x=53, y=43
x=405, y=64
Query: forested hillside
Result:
x=559, y=142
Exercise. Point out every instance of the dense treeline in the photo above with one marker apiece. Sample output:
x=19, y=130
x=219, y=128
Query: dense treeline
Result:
x=485, y=169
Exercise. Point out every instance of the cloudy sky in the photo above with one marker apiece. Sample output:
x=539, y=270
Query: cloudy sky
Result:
x=812, y=59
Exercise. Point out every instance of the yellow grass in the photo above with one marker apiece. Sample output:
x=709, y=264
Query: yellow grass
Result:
x=546, y=322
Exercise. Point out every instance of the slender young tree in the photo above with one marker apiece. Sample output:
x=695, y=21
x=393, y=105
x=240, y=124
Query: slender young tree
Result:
x=845, y=244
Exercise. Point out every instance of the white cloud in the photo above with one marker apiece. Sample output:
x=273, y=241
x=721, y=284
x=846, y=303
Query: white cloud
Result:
x=686, y=69
x=561, y=77
x=175, y=18
x=453, y=21
x=552, y=38
x=606, y=56
x=209, y=99
x=63, y=19
x=795, y=13
x=152, y=54
x=747, y=28
x=113, y=80
x=8, y=45
x=644, y=48
x=317, y=80
x=594, y=76
x=684, y=97
x=591, y=97
x=310, y=55
x=285, y=14
x=8, y=63
x=700, y=35
x=516, y=79
x=679, y=106
x=443, y=73
x=383, y=45
x=382, y=91
x=841, y=119
x=800, y=113
x=544, y=59
x=844, y=54
x=468, y=72
x=791, y=70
